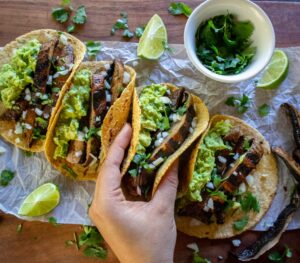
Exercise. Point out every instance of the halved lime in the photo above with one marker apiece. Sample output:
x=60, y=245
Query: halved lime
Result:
x=275, y=72
x=41, y=201
x=154, y=39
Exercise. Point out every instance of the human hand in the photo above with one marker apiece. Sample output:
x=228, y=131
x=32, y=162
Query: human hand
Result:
x=136, y=231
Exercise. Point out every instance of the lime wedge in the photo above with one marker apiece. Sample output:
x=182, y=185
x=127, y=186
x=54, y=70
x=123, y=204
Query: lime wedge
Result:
x=154, y=39
x=275, y=72
x=41, y=201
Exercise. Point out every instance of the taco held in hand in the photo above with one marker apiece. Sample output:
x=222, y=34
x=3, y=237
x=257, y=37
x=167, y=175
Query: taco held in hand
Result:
x=94, y=109
x=166, y=120
x=33, y=71
x=230, y=182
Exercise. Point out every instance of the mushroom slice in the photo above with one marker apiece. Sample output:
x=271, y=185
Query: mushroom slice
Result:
x=76, y=153
x=272, y=236
x=29, y=121
x=117, y=80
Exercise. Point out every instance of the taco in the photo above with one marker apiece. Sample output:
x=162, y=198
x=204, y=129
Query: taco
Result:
x=166, y=120
x=33, y=71
x=95, y=107
x=230, y=182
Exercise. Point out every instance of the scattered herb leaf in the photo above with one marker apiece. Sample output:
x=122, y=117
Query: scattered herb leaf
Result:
x=19, y=228
x=277, y=257
x=181, y=110
x=91, y=133
x=71, y=28
x=53, y=221
x=60, y=14
x=5, y=177
x=198, y=259
x=250, y=202
x=121, y=23
x=241, y=223
x=95, y=251
x=179, y=8
x=93, y=48
x=128, y=34
x=80, y=16
x=133, y=172
x=264, y=110
x=242, y=104
x=43, y=123
x=246, y=145
x=139, y=31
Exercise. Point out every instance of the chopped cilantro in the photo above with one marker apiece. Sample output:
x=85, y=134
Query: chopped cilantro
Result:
x=181, y=110
x=139, y=31
x=70, y=171
x=241, y=223
x=198, y=259
x=121, y=23
x=43, y=123
x=19, y=228
x=278, y=257
x=95, y=251
x=246, y=145
x=165, y=124
x=133, y=172
x=53, y=221
x=216, y=179
x=55, y=90
x=128, y=34
x=60, y=14
x=71, y=28
x=37, y=134
x=241, y=103
x=249, y=202
x=91, y=133
x=93, y=48
x=80, y=16
x=5, y=177
x=264, y=110
x=219, y=194
x=179, y=8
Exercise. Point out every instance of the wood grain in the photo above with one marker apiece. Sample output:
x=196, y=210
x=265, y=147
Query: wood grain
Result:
x=42, y=242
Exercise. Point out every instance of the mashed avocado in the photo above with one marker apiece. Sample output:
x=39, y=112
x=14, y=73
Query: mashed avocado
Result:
x=75, y=106
x=14, y=77
x=205, y=161
x=153, y=112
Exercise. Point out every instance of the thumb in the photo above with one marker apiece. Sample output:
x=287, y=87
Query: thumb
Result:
x=166, y=192
x=110, y=176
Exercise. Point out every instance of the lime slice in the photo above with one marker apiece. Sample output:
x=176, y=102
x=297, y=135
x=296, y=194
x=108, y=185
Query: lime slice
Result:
x=41, y=201
x=154, y=39
x=275, y=72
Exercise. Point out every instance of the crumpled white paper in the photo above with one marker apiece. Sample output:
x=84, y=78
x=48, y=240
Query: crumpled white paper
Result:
x=34, y=171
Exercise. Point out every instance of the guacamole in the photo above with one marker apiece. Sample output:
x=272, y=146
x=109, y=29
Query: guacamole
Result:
x=153, y=113
x=16, y=75
x=75, y=106
x=205, y=161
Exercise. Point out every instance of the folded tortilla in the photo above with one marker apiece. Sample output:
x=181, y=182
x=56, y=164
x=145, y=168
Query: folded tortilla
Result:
x=263, y=186
x=16, y=131
x=116, y=115
x=200, y=119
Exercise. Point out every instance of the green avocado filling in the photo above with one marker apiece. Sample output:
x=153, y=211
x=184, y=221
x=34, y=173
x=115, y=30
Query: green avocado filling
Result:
x=205, y=161
x=153, y=114
x=16, y=75
x=75, y=106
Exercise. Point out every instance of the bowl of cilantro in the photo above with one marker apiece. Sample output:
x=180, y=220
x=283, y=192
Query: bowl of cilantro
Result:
x=229, y=40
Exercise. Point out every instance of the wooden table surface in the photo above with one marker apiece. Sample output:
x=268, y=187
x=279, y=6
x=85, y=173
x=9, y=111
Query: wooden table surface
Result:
x=43, y=242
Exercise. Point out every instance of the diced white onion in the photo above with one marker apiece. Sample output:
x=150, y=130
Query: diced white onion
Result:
x=80, y=136
x=94, y=160
x=27, y=97
x=242, y=188
x=151, y=166
x=138, y=190
x=103, y=73
x=235, y=173
x=168, y=92
x=210, y=185
x=17, y=140
x=107, y=66
x=44, y=97
x=220, y=257
x=210, y=204
x=222, y=159
x=38, y=111
x=205, y=208
x=10, y=132
x=236, y=156
x=61, y=73
x=18, y=129
x=126, y=77
x=193, y=246
x=135, y=63
x=236, y=242
x=164, y=134
x=46, y=115
x=108, y=96
x=63, y=39
x=158, y=161
x=159, y=135
x=38, y=94
x=49, y=81
x=191, y=130
x=194, y=122
x=165, y=100
x=106, y=85
x=78, y=154
x=27, y=126
x=2, y=150
x=250, y=180
x=158, y=142
x=98, y=119
x=24, y=114
x=27, y=91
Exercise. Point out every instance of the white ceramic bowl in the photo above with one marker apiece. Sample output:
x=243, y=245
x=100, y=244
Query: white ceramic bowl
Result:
x=263, y=36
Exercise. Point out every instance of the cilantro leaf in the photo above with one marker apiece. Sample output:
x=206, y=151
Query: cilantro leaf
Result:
x=179, y=8
x=71, y=28
x=128, y=34
x=133, y=172
x=42, y=123
x=5, y=177
x=181, y=110
x=60, y=14
x=69, y=170
x=139, y=31
x=242, y=104
x=264, y=110
x=53, y=221
x=93, y=48
x=250, y=202
x=277, y=257
x=95, y=251
x=246, y=145
x=91, y=133
x=80, y=16
x=65, y=2
x=121, y=23
x=198, y=259
x=241, y=223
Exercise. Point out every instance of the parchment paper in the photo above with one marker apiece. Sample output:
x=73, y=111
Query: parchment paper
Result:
x=34, y=171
